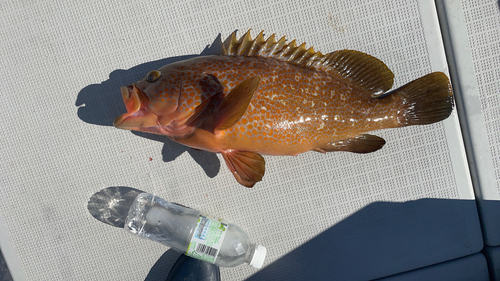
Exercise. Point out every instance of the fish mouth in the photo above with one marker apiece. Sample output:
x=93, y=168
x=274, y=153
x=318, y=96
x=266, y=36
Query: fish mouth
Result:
x=131, y=101
x=140, y=117
x=137, y=116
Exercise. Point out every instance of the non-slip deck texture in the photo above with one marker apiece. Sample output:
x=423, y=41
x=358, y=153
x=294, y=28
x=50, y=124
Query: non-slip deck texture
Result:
x=403, y=207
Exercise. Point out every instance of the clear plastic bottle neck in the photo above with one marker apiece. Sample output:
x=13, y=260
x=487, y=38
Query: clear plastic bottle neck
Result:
x=256, y=255
x=250, y=253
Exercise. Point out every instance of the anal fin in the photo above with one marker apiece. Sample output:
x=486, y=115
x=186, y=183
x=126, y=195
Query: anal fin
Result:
x=364, y=143
x=247, y=167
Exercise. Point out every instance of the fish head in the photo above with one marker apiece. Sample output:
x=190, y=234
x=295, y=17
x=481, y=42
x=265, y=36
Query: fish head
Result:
x=153, y=103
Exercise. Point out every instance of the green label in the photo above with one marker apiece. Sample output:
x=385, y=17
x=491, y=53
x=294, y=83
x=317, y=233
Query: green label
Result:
x=207, y=239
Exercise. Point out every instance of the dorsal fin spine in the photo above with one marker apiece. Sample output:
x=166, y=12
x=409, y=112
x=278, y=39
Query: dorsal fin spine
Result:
x=257, y=44
x=278, y=48
x=287, y=50
x=301, y=54
x=264, y=50
x=298, y=53
x=245, y=44
x=305, y=56
x=231, y=45
x=313, y=60
x=317, y=59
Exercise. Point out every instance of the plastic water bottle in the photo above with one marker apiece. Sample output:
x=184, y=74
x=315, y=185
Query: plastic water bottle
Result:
x=192, y=233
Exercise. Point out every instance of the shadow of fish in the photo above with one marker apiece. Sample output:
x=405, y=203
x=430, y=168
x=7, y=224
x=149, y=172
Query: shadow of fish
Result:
x=272, y=98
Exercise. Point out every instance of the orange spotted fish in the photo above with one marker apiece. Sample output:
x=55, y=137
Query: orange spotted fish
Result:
x=273, y=98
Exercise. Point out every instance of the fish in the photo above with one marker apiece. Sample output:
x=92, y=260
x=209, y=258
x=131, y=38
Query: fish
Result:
x=269, y=97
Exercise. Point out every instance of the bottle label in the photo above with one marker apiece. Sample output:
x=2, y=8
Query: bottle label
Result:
x=207, y=239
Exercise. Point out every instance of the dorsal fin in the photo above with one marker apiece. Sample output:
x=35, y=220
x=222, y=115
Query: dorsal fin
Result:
x=271, y=48
x=369, y=72
x=363, y=69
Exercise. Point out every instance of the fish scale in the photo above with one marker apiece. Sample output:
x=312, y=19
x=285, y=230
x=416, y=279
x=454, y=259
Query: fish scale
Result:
x=271, y=98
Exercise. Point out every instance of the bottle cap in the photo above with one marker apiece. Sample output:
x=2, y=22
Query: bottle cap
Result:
x=259, y=255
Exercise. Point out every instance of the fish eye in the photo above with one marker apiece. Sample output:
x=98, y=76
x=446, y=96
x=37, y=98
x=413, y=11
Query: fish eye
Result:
x=152, y=76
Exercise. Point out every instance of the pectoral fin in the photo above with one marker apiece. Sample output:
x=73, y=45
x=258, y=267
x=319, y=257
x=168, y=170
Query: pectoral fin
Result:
x=235, y=104
x=360, y=144
x=247, y=167
x=201, y=111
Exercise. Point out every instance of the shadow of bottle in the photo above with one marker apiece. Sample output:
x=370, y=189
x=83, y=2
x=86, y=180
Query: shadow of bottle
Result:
x=111, y=205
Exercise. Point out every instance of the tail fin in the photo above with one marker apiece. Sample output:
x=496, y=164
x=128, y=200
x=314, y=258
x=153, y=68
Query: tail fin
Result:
x=426, y=100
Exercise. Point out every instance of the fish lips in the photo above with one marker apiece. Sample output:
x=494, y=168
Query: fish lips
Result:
x=137, y=115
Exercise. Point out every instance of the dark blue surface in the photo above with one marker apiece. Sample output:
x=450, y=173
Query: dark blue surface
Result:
x=382, y=239
x=4, y=270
